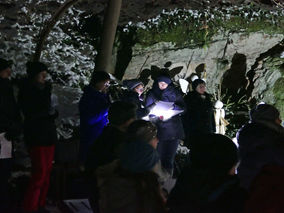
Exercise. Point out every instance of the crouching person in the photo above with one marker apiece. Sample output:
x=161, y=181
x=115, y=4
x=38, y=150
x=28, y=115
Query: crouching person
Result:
x=39, y=133
x=130, y=185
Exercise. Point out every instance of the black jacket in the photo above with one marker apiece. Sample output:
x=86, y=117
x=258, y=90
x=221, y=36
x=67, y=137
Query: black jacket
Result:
x=10, y=119
x=133, y=97
x=105, y=149
x=35, y=103
x=201, y=191
x=171, y=129
x=199, y=118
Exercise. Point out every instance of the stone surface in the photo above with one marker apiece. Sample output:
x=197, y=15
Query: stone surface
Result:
x=218, y=51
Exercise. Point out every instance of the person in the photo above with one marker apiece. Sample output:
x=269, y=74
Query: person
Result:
x=129, y=185
x=135, y=95
x=169, y=131
x=208, y=184
x=261, y=170
x=93, y=107
x=199, y=117
x=10, y=129
x=107, y=147
x=39, y=133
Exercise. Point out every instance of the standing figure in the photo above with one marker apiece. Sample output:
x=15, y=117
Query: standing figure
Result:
x=10, y=128
x=199, y=117
x=93, y=109
x=169, y=131
x=219, y=115
x=135, y=95
x=39, y=133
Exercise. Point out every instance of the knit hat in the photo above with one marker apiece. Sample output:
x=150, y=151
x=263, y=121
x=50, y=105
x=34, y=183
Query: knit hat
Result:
x=132, y=84
x=165, y=79
x=196, y=82
x=214, y=151
x=34, y=68
x=264, y=112
x=138, y=156
x=142, y=130
x=4, y=64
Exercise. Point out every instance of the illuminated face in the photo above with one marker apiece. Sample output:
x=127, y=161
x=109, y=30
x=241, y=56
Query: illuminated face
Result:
x=40, y=77
x=201, y=89
x=163, y=85
x=139, y=89
x=6, y=73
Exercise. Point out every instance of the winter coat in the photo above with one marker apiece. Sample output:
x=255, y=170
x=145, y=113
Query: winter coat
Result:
x=199, y=118
x=39, y=116
x=172, y=128
x=206, y=192
x=259, y=145
x=266, y=193
x=124, y=192
x=93, y=109
x=10, y=119
x=105, y=149
x=133, y=97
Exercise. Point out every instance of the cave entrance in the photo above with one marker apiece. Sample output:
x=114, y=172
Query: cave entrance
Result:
x=234, y=80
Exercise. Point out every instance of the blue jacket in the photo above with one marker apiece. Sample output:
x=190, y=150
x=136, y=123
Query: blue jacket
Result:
x=171, y=129
x=93, y=107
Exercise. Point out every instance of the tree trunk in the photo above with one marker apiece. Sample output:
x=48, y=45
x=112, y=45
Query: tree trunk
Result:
x=49, y=25
x=103, y=58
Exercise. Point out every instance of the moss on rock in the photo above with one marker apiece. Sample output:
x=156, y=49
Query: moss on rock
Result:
x=279, y=95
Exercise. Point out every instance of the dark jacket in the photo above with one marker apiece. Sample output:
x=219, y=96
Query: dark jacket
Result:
x=199, y=118
x=125, y=192
x=206, y=192
x=171, y=129
x=35, y=103
x=10, y=119
x=133, y=97
x=93, y=107
x=105, y=149
x=259, y=146
x=266, y=193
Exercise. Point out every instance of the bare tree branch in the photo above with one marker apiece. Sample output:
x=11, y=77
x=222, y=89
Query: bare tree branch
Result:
x=49, y=25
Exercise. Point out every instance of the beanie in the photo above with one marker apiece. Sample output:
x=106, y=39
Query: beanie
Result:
x=34, y=68
x=4, y=64
x=164, y=79
x=142, y=130
x=214, y=151
x=196, y=82
x=264, y=112
x=132, y=84
x=138, y=156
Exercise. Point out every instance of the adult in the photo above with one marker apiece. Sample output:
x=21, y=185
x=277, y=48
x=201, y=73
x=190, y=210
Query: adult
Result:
x=130, y=184
x=199, y=117
x=93, y=107
x=169, y=131
x=39, y=133
x=135, y=95
x=208, y=184
x=107, y=147
x=261, y=169
x=260, y=143
x=10, y=128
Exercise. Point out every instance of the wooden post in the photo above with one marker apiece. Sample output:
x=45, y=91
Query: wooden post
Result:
x=103, y=59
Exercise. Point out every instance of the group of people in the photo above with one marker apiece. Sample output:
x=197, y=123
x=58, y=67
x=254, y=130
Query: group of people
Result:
x=128, y=160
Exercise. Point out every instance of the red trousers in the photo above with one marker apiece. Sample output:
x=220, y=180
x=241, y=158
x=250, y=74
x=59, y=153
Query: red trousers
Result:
x=41, y=159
